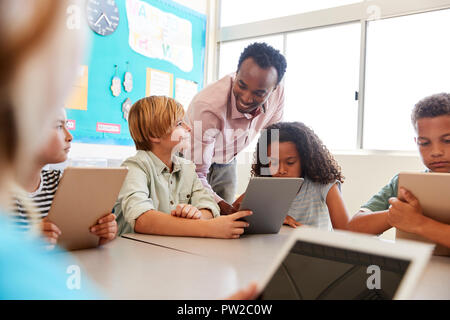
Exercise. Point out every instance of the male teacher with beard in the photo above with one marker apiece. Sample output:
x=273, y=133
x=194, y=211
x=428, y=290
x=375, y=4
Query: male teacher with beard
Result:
x=229, y=113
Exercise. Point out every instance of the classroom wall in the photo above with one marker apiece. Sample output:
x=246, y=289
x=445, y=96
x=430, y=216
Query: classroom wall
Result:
x=112, y=155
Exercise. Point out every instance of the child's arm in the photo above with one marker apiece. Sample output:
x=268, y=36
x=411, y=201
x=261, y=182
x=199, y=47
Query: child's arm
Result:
x=105, y=229
x=155, y=222
x=374, y=221
x=184, y=210
x=370, y=222
x=408, y=216
x=202, y=199
x=336, y=207
x=206, y=214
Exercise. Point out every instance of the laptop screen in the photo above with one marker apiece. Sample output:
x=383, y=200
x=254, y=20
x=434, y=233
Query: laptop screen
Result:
x=313, y=271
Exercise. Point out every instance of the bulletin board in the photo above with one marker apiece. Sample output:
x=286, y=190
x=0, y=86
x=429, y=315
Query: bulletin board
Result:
x=161, y=43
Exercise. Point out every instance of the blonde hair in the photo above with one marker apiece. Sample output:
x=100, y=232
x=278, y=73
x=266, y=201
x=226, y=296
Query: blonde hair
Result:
x=153, y=117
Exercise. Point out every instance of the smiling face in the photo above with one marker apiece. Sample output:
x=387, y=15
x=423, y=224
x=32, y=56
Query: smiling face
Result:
x=433, y=140
x=59, y=142
x=253, y=85
x=286, y=162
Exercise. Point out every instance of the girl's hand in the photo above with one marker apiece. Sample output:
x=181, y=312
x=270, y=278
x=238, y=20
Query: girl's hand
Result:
x=186, y=211
x=106, y=228
x=50, y=231
x=291, y=222
x=229, y=226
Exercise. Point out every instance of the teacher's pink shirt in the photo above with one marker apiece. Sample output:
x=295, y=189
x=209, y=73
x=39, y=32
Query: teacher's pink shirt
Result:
x=219, y=130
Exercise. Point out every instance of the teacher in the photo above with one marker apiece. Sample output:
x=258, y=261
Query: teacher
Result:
x=229, y=113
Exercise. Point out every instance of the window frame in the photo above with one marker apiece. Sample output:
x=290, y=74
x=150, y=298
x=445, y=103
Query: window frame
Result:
x=362, y=12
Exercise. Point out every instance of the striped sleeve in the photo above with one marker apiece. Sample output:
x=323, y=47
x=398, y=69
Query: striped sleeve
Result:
x=42, y=199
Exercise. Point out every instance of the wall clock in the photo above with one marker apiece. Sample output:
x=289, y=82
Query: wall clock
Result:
x=103, y=16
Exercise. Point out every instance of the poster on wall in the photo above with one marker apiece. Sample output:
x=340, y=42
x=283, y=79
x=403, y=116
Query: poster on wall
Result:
x=158, y=34
x=79, y=96
x=170, y=63
x=159, y=83
x=185, y=90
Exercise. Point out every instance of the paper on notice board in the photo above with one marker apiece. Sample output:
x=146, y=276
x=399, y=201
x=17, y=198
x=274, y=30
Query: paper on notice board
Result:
x=79, y=96
x=159, y=83
x=185, y=90
x=157, y=34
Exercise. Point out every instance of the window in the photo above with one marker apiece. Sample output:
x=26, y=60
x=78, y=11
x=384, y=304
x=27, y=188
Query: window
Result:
x=321, y=79
x=231, y=51
x=407, y=60
x=235, y=12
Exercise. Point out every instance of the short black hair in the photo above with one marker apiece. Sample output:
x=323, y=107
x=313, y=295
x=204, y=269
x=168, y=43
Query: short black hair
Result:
x=432, y=106
x=265, y=56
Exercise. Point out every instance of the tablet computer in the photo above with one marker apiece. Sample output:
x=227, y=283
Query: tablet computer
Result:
x=84, y=195
x=432, y=191
x=269, y=199
x=321, y=265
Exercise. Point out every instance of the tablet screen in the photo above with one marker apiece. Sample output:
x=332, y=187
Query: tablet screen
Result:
x=314, y=271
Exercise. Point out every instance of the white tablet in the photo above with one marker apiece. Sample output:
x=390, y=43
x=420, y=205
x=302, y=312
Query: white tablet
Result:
x=269, y=199
x=339, y=265
x=84, y=195
x=432, y=190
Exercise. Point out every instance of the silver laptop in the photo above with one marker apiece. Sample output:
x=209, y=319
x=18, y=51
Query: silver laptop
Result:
x=317, y=264
x=269, y=199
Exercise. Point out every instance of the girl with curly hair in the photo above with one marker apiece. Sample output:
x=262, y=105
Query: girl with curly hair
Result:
x=291, y=149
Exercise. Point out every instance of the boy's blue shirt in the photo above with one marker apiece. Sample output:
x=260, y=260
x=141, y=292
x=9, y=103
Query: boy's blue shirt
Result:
x=28, y=272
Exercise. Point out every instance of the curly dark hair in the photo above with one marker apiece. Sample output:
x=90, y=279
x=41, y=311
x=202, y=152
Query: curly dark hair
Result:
x=317, y=163
x=431, y=106
x=265, y=56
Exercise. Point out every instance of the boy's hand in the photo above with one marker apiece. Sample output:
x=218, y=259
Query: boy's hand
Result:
x=228, y=227
x=406, y=215
x=50, y=231
x=186, y=211
x=226, y=208
x=106, y=228
x=291, y=222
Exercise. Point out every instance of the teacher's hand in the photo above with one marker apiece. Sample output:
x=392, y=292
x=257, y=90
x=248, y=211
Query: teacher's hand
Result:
x=226, y=208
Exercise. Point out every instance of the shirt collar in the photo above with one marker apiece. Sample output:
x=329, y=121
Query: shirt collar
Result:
x=161, y=166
